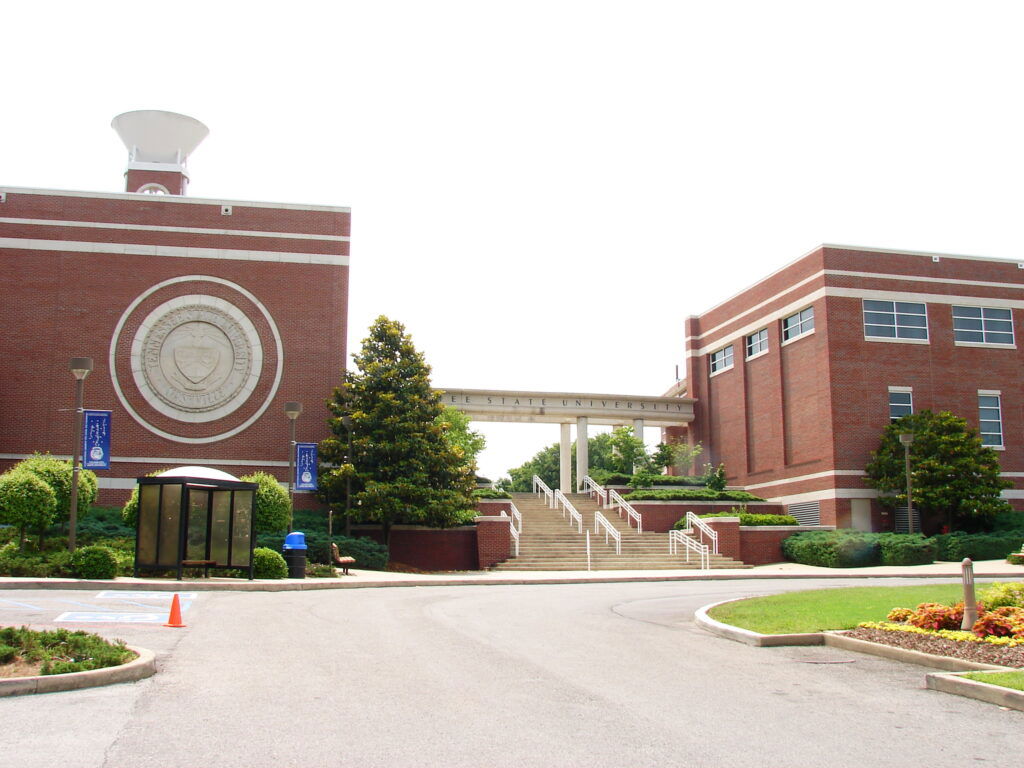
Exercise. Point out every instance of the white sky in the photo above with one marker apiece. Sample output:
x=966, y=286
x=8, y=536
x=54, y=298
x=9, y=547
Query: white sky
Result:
x=543, y=191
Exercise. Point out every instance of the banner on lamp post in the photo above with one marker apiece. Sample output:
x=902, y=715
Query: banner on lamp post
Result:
x=305, y=466
x=96, y=439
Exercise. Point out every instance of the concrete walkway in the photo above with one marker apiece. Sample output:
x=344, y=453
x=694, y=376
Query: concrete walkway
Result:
x=985, y=569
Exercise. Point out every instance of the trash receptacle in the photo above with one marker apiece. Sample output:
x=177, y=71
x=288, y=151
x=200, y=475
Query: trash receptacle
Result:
x=295, y=554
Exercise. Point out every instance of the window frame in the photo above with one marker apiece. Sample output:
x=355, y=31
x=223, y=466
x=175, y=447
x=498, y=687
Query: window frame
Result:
x=1012, y=344
x=800, y=324
x=762, y=342
x=896, y=326
x=728, y=353
x=998, y=395
x=900, y=391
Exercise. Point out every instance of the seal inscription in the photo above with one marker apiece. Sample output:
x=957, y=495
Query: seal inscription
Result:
x=196, y=358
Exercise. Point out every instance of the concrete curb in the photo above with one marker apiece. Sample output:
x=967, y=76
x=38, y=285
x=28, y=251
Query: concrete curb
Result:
x=747, y=636
x=606, y=577
x=138, y=669
x=960, y=686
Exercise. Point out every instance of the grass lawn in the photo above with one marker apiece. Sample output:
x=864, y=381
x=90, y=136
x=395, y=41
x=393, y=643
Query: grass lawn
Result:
x=1013, y=679
x=822, y=609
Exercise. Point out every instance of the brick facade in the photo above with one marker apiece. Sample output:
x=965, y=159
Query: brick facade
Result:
x=797, y=423
x=83, y=272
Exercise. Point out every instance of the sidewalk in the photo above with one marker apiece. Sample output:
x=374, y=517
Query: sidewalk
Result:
x=986, y=569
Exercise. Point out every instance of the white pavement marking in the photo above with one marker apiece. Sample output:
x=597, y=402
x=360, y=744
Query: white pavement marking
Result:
x=114, y=594
x=21, y=605
x=106, y=617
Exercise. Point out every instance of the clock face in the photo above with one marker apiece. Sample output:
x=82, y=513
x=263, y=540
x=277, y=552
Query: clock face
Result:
x=153, y=189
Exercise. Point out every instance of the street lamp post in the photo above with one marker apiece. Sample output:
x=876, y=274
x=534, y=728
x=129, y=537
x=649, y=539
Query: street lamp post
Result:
x=906, y=439
x=292, y=411
x=80, y=368
x=347, y=421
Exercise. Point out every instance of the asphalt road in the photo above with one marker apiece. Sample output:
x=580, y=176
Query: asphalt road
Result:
x=548, y=675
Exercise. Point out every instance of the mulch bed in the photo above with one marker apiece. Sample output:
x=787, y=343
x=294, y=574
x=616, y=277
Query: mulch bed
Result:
x=940, y=646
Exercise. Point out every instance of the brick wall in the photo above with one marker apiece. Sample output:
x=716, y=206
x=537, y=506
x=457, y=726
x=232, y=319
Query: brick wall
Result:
x=493, y=540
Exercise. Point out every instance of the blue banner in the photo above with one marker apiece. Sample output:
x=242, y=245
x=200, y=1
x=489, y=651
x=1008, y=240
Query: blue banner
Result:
x=305, y=466
x=96, y=440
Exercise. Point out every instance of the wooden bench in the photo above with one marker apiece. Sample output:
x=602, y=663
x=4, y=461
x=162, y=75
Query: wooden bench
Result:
x=339, y=561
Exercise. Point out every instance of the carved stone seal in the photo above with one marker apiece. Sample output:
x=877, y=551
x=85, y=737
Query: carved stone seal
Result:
x=196, y=358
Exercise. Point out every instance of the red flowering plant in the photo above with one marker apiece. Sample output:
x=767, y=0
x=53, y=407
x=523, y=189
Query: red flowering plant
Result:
x=1006, y=621
x=937, y=616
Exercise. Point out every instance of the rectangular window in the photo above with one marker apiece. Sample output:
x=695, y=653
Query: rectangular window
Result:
x=799, y=324
x=757, y=342
x=983, y=325
x=990, y=419
x=721, y=360
x=901, y=403
x=895, y=320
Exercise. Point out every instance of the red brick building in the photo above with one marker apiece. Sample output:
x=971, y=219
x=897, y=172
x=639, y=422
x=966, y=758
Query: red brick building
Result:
x=202, y=316
x=796, y=377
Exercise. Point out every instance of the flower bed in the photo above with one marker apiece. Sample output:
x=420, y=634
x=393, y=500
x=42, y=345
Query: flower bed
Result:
x=939, y=645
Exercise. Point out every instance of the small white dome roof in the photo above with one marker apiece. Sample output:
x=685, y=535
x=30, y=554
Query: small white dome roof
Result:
x=204, y=473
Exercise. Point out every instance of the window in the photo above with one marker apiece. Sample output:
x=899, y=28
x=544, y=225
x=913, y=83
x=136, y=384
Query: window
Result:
x=757, y=342
x=901, y=402
x=799, y=324
x=983, y=325
x=721, y=360
x=990, y=419
x=895, y=320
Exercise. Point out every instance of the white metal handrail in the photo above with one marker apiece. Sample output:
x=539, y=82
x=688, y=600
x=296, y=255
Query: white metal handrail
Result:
x=622, y=504
x=539, y=486
x=600, y=521
x=517, y=517
x=512, y=529
x=692, y=521
x=590, y=486
x=675, y=538
x=574, y=516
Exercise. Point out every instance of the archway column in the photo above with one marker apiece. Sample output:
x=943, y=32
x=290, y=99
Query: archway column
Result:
x=565, y=459
x=582, y=452
x=638, y=432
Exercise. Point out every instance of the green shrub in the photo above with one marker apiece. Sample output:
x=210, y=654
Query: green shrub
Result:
x=906, y=549
x=746, y=518
x=7, y=653
x=320, y=571
x=104, y=523
x=268, y=564
x=1000, y=594
x=57, y=473
x=491, y=493
x=691, y=495
x=61, y=650
x=714, y=477
x=273, y=505
x=93, y=563
x=977, y=546
x=832, y=549
x=26, y=501
x=368, y=553
x=1010, y=520
x=1016, y=558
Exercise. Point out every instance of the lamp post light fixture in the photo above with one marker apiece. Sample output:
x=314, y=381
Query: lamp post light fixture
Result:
x=906, y=438
x=80, y=368
x=292, y=411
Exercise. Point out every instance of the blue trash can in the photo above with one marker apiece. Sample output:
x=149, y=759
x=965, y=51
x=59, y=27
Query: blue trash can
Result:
x=294, y=552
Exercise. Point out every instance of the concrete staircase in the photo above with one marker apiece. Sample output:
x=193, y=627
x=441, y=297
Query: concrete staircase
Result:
x=548, y=543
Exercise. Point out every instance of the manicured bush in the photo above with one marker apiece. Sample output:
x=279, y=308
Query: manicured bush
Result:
x=93, y=563
x=691, y=495
x=1000, y=594
x=26, y=501
x=906, y=549
x=491, y=493
x=1015, y=558
x=273, y=504
x=832, y=549
x=1010, y=520
x=977, y=546
x=368, y=553
x=57, y=473
x=746, y=518
x=268, y=564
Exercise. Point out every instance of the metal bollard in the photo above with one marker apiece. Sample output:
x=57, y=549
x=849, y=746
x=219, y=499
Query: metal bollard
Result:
x=970, y=601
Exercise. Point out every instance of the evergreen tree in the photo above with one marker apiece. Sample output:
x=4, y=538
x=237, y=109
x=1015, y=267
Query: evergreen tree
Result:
x=404, y=469
x=953, y=475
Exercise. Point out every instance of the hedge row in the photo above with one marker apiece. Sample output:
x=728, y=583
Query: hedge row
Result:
x=604, y=477
x=691, y=495
x=746, y=518
x=978, y=546
x=855, y=549
x=491, y=493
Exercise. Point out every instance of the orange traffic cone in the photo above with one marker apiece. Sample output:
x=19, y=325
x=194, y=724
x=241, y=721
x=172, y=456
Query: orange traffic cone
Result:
x=174, y=620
